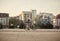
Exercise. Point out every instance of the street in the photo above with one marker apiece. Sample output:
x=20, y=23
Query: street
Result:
x=29, y=36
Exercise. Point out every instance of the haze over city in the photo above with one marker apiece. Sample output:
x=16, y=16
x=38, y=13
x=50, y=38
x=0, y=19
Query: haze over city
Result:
x=14, y=7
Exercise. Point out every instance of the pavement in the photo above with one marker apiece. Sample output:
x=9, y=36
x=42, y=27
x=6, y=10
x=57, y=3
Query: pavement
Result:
x=29, y=35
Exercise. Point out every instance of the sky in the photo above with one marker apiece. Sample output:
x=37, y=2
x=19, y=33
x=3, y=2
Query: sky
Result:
x=15, y=7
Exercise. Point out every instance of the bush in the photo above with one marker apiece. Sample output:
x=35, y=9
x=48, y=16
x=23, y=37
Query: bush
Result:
x=47, y=26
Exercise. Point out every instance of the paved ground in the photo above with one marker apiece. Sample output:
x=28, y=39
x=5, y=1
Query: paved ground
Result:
x=29, y=36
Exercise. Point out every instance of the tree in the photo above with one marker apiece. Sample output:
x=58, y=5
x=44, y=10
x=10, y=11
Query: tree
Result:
x=22, y=25
x=44, y=23
x=16, y=23
x=12, y=22
x=0, y=26
x=48, y=25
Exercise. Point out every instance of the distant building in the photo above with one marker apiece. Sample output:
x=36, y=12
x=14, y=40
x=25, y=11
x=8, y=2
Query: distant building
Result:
x=25, y=15
x=34, y=12
x=58, y=20
x=4, y=19
x=49, y=16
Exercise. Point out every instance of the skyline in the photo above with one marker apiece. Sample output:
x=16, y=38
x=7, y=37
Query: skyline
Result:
x=14, y=7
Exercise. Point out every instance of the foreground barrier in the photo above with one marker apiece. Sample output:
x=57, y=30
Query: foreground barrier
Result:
x=34, y=30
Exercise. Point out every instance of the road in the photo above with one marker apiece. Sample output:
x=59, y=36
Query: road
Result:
x=29, y=36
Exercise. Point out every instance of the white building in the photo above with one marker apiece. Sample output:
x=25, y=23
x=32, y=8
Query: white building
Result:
x=34, y=12
x=25, y=15
x=4, y=19
x=47, y=15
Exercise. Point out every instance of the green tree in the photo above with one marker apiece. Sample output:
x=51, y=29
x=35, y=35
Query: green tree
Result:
x=44, y=23
x=0, y=26
x=14, y=23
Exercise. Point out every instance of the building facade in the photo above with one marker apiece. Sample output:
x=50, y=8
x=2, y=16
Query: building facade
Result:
x=34, y=12
x=48, y=16
x=4, y=20
x=58, y=21
x=25, y=15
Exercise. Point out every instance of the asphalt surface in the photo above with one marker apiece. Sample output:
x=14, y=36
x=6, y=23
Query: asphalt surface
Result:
x=29, y=35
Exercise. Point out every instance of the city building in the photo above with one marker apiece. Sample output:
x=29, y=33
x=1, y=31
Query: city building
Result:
x=34, y=12
x=49, y=16
x=25, y=15
x=58, y=20
x=4, y=20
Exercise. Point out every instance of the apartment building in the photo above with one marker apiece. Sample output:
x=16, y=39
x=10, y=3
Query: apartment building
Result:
x=4, y=20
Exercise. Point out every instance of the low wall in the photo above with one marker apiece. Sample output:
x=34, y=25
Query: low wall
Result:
x=34, y=30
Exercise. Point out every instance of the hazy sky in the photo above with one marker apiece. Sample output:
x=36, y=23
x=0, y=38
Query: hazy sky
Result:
x=14, y=7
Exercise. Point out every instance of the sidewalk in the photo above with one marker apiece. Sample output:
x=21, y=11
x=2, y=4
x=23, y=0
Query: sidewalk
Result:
x=29, y=35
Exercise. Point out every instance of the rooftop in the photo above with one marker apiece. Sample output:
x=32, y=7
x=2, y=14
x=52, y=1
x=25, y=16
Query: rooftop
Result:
x=58, y=16
x=27, y=12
